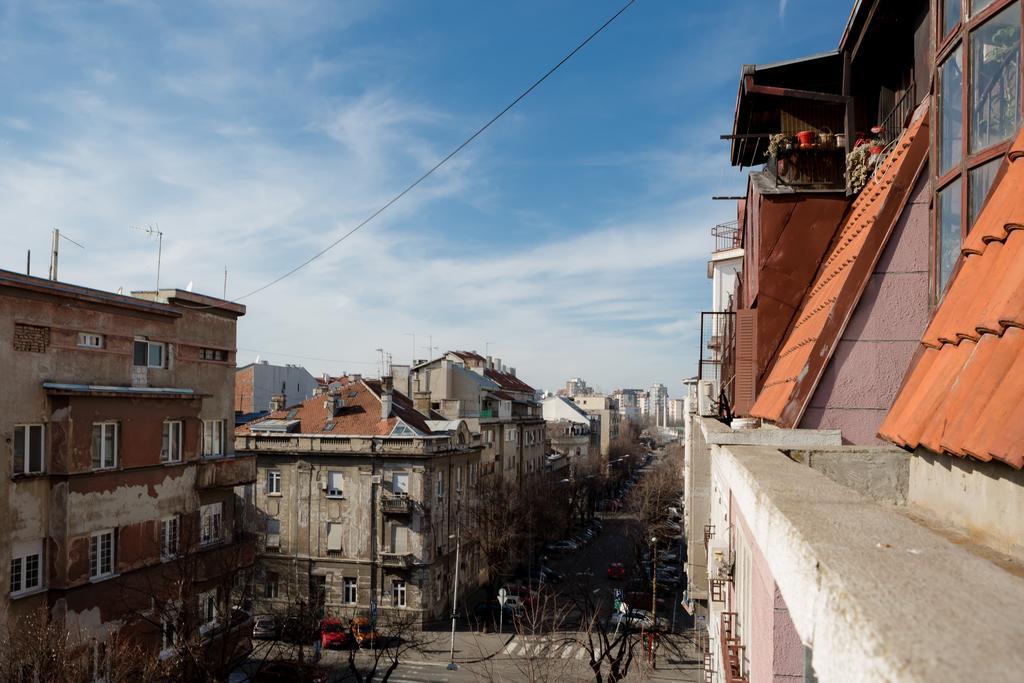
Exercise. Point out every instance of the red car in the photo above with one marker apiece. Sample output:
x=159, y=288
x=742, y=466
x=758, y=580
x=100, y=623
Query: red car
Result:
x=617, y=571
x=333, y=634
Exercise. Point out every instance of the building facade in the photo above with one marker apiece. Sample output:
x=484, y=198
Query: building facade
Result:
x=572, y=432
x=120, y=471
x=606, y=410
x=359, y=503
x=257, y=383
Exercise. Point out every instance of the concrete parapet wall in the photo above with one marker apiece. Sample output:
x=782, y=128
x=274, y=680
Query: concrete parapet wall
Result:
x=880, y=473
x=877, y=597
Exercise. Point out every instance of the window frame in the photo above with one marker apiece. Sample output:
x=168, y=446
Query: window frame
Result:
x=167, y=436
x=334, y=476
x=273, y=482
x=350, y=582
x=272, y=584
x=26, y=455
x=103, y=465
x=209, y=436
x=959, y=37
x=170, y=537
x=95, y=557
x=22, y=573
x=211, y=532
x=399, y=593
x=150, y=345
x=208, y=610
x=85, y=340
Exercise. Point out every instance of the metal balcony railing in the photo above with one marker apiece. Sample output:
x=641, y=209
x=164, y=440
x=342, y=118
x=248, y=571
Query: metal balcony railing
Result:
x=898, y=117
x=396, y=560
x=396, y=505
x=815, y=168
x=727, y=236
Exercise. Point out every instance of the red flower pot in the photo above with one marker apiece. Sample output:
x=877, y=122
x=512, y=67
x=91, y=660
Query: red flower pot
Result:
x=806, y=138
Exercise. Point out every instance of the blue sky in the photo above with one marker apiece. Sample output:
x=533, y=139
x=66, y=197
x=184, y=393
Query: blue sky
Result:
x=572, y=236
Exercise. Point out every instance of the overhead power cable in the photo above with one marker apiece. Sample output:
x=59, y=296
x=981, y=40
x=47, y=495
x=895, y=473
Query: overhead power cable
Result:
x=443, y=161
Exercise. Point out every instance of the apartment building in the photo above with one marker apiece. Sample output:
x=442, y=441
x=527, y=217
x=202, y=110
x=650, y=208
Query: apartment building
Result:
x=628, y=400
x=119, y=468
x=257, y=383
x=871, y=351
x=606, y=410
x=359, y=503
x=572, y=432
x=495, y=403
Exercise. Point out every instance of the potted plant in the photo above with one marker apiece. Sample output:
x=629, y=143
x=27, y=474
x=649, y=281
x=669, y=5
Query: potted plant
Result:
x=806, y=138
x=858, y=167
x=777, y=143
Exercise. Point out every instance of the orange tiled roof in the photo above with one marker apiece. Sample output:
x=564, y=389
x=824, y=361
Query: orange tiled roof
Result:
x=965, y=393
x=841, y=279
x=359, y=416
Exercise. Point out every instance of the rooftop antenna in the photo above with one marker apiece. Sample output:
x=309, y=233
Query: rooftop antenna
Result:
x=487, y=348
x=56, y=251
x=152, y=230
x=225, y=295
x=413, y=335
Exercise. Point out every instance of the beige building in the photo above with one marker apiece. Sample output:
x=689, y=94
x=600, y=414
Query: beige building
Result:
x=114, y=416
x=493, y=401
x=358, y=502
x=606, y=409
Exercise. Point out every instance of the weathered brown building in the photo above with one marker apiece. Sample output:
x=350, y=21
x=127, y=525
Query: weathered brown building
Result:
x=358, y=503
x=116, y=418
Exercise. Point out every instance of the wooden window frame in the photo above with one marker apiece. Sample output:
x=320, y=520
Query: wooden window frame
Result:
x=959, y=36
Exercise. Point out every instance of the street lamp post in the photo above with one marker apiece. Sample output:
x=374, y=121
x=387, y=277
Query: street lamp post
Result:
x=654, y=596
x=452, y=666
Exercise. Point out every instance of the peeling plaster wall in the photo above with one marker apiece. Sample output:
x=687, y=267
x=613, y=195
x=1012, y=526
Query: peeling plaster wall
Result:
x=864, y=374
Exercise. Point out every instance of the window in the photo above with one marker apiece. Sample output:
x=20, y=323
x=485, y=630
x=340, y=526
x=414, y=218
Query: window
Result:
x=979, y=111
x=168, y=629
x=104, y=445
x=273, y=533
x=170, y=532
x=210, y=517
x=440, y=485
x=274, y=482
x=170, y=448
x=272, y=585
x=28, y=449
x=149, y=354
x=458, y=480
x=333, y=538
x=349, y=590
x=213, y=354
x=398, y=593
x=334, y=488
x=213, y=437
x=207, y=610
x=400, y=484
x=102, y=554
x=89, y=340
x=26, y=567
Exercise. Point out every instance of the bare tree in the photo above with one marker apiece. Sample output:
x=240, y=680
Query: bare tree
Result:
x=395, y=634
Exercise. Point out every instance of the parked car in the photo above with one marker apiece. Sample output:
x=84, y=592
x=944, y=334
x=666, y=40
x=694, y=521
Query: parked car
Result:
x=617, y=571
x=288, y=671
x=363, y=632
x=264, y=627
x=333, y=634
x=635, y=618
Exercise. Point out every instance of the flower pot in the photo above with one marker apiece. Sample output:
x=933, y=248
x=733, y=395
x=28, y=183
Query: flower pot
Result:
x=805, y=138
x=841, y=140
x=875, y=149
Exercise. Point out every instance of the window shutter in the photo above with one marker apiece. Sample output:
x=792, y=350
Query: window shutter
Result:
x=746, y=361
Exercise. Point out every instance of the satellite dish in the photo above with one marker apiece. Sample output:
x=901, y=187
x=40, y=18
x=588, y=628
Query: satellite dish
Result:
x=188, y=287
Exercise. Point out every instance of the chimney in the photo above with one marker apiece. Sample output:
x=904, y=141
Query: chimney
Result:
x=387, y=388
x=497, y=365
x=490, y=363
x=422, y=401
x=277, y=402
x=320, y=389
x=332, y=404
x=512, y=371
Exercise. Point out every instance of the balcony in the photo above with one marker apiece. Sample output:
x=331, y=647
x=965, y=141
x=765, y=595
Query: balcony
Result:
x=396, y=505
x=727, y=236
x=812, y=168
x=226, y=472
x=396, y=560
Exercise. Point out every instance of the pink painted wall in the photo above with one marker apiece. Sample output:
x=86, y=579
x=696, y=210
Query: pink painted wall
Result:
x=773, y=645
x=862, y=378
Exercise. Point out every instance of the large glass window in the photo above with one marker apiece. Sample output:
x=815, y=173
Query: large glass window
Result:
x=950, y=15
x=949, y=231
x=995, y=79
x=978, y=5
x=951, y=111
x=978, y=184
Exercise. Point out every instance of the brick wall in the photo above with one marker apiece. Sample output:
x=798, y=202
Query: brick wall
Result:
x=31, y=338
x=244, y=391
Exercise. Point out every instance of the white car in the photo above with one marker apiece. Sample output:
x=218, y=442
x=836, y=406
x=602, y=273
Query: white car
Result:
x=635, y=618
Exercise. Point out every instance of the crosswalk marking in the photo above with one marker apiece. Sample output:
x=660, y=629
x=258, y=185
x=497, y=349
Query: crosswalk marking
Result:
x=548, y=649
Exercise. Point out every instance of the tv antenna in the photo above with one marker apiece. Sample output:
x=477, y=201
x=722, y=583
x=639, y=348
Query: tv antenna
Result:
x=152, y=230
x=57, y=237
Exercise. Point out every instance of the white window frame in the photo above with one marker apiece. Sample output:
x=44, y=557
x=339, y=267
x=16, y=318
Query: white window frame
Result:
x=170, y=537
x=107, y=461
x=211, y=524
x=168, y=630
x=213, y=438
x=272, y=585
x=170, y=445
x=273, y=482
x=349, y=590
x=273, y=538
x=22, y=556
x=396, y=485
x=26, y=456
x=439, y=485
x=333, y=479
x=208, y=609
x=399, y=596
x=97, y=572
x=150, y=347
x=458, y=480
x=90, y=340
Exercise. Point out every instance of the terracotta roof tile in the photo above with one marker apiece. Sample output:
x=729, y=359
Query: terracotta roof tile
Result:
x=509, y=382
x=965, y=394
x=858, y=243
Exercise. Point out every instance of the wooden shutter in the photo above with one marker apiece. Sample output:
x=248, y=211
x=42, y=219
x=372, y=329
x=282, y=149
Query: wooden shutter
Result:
x=746, y=361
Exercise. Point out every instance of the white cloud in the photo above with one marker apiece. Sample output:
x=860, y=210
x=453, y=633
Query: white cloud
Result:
x=783, y=4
